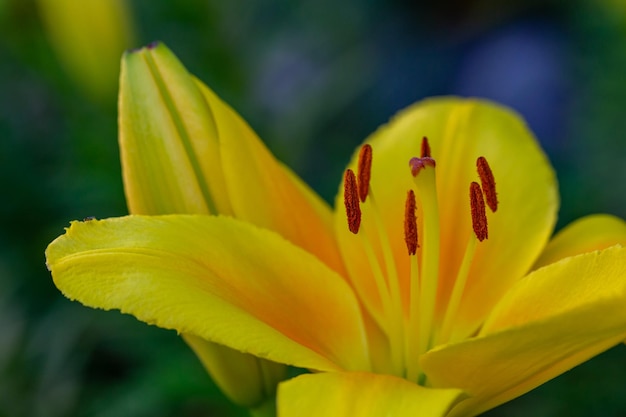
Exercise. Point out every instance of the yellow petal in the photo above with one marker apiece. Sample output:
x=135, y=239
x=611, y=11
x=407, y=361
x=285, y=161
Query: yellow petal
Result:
x=219, y=279
x=245, y=379
x=459, y=132
x=554, y=319
x=349, y=394
x=168, y=138
x=587, y=234
x=264, y=192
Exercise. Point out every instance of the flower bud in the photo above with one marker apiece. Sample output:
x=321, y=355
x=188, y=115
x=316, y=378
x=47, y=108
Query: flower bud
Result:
x=170, y=151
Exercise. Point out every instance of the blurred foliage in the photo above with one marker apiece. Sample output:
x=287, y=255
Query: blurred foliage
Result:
x=313, y=78
x=88, y=38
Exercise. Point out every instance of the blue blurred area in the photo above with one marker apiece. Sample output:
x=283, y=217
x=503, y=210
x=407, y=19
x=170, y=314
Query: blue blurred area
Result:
x=314, y=78
x=523, y=65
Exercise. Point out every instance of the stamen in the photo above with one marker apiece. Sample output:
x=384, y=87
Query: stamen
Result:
x=364, y=171
x=488, y=183
x=351, y=201
x=479, y=216
x=479, y=223
x=458, y=289
x=425, y=148
x=384, y=270
x=417, y=164
x=425, y=268
x=410, y=223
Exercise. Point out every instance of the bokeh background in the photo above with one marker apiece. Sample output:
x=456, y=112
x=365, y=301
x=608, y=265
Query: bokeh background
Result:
x=313, y=77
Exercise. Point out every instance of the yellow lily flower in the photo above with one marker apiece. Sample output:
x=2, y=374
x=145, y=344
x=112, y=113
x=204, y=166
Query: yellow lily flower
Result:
x=433, y=288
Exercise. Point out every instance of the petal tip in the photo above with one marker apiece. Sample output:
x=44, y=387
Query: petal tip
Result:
x=152, y=45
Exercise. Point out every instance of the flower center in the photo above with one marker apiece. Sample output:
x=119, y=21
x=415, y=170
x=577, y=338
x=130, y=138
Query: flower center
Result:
x=414, y=329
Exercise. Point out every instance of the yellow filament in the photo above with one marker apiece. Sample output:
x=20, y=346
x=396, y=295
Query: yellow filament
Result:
x=377, y=271
x=390, y=325
x=395, y=317
x=390, y=262
x=457, y=291
x=413, y=330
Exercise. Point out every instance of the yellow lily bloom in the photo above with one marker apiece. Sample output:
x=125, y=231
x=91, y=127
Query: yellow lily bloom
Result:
x=432, y=289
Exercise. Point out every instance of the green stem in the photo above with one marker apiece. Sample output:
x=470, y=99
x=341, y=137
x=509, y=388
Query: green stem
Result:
x=266, y=409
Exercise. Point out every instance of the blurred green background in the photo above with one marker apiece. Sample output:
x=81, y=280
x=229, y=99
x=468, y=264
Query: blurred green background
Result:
x=313, y=78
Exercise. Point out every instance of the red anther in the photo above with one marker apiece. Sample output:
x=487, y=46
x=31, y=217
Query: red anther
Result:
x=488, y=183
x=364, y=171
x=425, y=148
x=417, y=164
x=410, y=223
x=351, y=201
x=479, y=216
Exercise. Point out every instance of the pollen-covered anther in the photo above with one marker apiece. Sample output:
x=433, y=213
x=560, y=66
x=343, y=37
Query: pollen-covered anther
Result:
x=410, y=223
x=364, y=171
x=479, y=215
x=351, y=201
x=488, y=183
x=425, y=148
x=417, y=164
